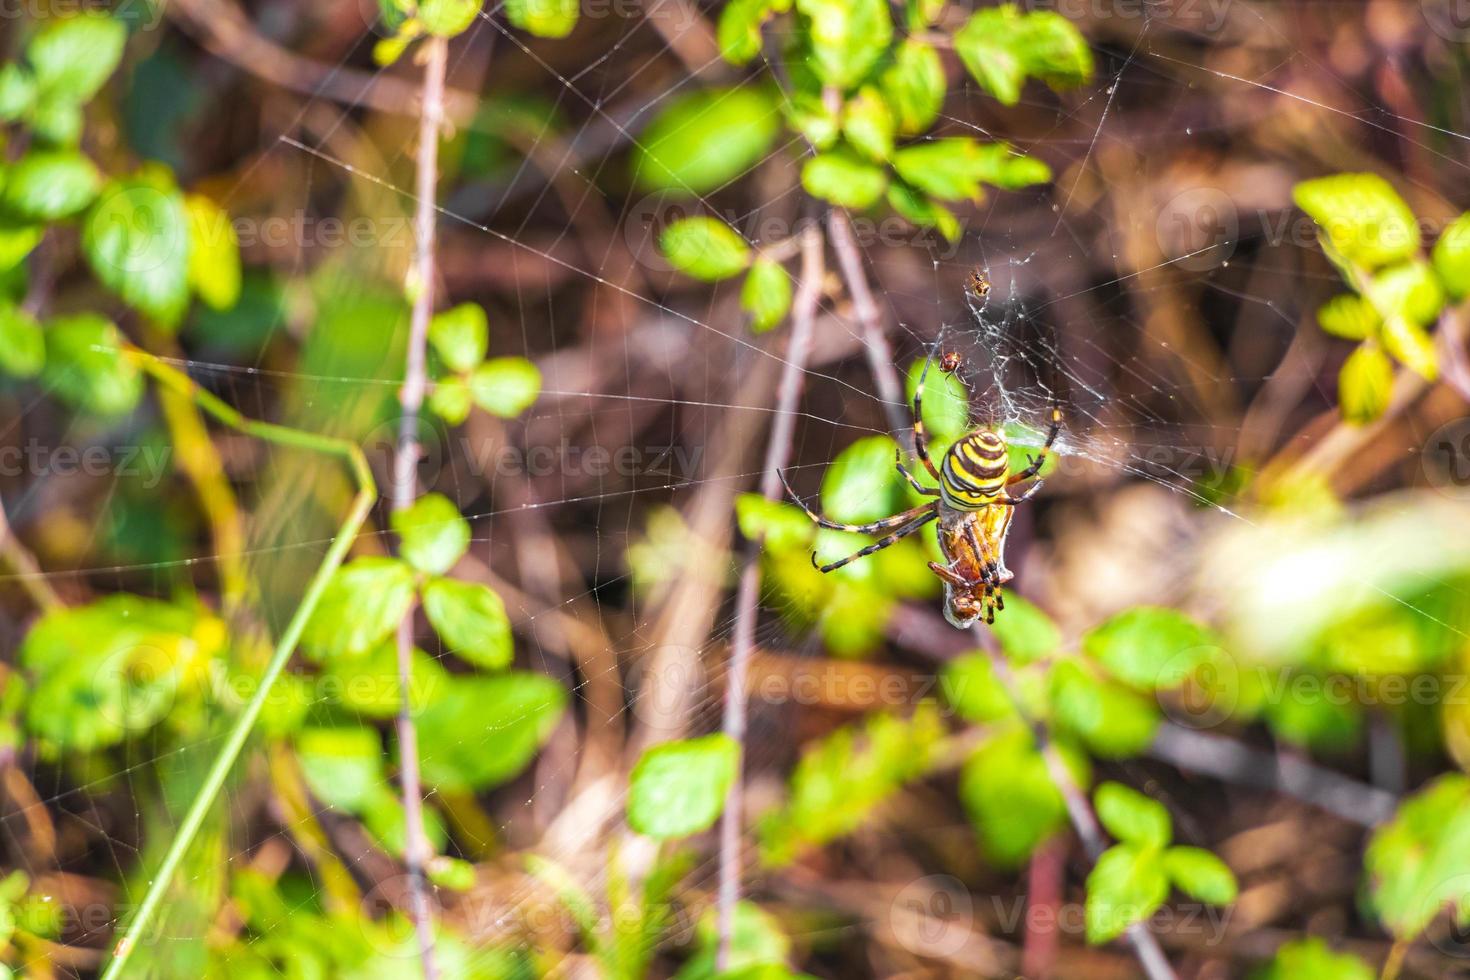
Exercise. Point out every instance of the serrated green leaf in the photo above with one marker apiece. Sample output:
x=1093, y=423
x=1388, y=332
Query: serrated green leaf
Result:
x=342, y=766
x=1132, y=817
x=364, y=601
x=214, y=253
x=136, y=239
x=49, y=185
x=705, y=139
x=1348, y=315
x=1001, y=47
x=862, y=484
x=1409, y=291
x=1419, y=861
x=470, y=618
x=368, y=685
x=843, y=178
x=543, y=18
x=73, y=56
x=705, y=248
x=923, y=211
x=1149, y=647
x=1010, y=797
x=450, y=399
x=868, y=124
x=505, y=386
x=739, y=29
x=483, y=730
x=678, y=788
x=847, y=38
x=460, y=336
x=1365, y=384
x=1200, y=874
x=1125, y=886
x=954, y=168
x=766, y=294
x=22, y=344
x=914, y=86
x=432, y=535
x=1452, y=257
x=1112, y=720
x=86, y=367
x=1363, y=217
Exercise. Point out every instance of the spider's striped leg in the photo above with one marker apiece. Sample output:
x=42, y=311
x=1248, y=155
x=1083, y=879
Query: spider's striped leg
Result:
x=888, y=523
x=1039, y=460
x=1027, y=494
x=931, y=511
x=921, y=448
x=950, y=575
x=982, y=558
x=918, y=487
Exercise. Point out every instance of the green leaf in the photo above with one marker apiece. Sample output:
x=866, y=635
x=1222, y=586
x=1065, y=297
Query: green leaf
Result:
x=914, y=86
x=923, y=211
x=343, y=766
x=783, y=526
x=543, y=18
x=447, y=18
x=1313, y=718
x=946, y=405
x=953, y=168
x=85, y=365
x=364, y=602
x=1026, y=634
x=384, y=817
x=766, y=294
x=470, y=618
x=431, y=533
x=1126, y=886
x=483, y=730
x=1451, y=257
x=1365, y=220
x=57, y=122
x=22, y=344
x=72, y=57
x=739, y=31
x=704, y=248
x=847, y=38
x=1409, y=291
x=1200, y=874
x=843, y=178
x=1419, y=862
x=1412, y=346
x=17, y=91
x=705, y=139
x=1149, y=647
x=1010, y=797
x=972, y=689
x=867, y=122
x=1002, y=47
x=809, y=115
x=1115, y=722
x=16, y=242
x=1365, y=384
x=450, y=399
x=862, y=484
x=853, y=622
x=214, y=253
x=1350, y=316
x=678, y=788
x=505, y=386
x=1311, y=959
x=49, y=185
x=368, y=685
x=136, y=239
x=460, y=336
x=1132, y=817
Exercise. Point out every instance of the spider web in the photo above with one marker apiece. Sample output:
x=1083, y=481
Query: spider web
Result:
x=1083, y=274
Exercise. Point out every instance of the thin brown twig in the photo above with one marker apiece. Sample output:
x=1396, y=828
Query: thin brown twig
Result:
x=28, y=574
x=405, y=481
x=870, y=318
x=778, y=451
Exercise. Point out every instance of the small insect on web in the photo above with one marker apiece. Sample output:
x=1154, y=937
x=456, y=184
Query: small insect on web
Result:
x=972, y=504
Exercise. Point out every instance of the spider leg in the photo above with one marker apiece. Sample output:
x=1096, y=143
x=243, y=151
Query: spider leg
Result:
x=981, y=557
x=1039, y=460
x=930, y=513
x=918, y=487
x=888, y=523
x=950, y=575
x=921, y=448
x=1009, y=501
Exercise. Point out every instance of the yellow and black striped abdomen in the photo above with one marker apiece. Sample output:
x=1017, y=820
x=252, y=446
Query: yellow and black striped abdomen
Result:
x=974, y=470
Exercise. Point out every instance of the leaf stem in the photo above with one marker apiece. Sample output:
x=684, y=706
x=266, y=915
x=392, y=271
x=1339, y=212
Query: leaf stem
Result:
x=362, y=502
